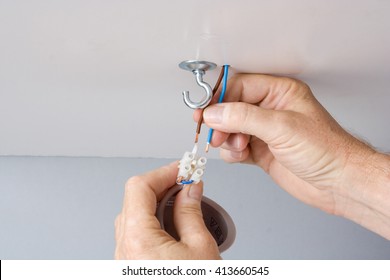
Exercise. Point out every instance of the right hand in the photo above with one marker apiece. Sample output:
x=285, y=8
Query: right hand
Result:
x=277, y=124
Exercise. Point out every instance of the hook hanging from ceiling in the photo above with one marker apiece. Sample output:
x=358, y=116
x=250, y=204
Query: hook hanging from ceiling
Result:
x=198, y=68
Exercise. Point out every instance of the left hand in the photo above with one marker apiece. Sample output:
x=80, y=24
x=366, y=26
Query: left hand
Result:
x=137, y=231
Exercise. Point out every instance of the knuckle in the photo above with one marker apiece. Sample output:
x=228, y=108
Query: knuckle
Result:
x=134, y=181
x=191, y=210
x=238, y=113
x=288, y=84
x=303, y=86
x=242, y=118
x=299, y=88
x=295, y=83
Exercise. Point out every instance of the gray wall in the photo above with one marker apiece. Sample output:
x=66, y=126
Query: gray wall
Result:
x=64, y=208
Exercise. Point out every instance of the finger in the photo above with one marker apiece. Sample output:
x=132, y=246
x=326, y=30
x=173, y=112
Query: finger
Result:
x=239, y=117
x=197, y=114
x=142, y=192
x=236, y=142
x=159, y=180
x=235, y=156
x=268, y=91
x=219, y=138
x=188, y=216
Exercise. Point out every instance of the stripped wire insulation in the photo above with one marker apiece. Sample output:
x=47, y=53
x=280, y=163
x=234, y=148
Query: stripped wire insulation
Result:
x=199, y=126
x=220, y=100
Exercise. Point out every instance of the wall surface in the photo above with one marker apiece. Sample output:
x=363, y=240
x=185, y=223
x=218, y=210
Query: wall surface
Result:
x=64, y=208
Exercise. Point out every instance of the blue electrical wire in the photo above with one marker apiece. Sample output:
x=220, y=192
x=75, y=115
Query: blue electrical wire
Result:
x=220, y=100
x=186, y=182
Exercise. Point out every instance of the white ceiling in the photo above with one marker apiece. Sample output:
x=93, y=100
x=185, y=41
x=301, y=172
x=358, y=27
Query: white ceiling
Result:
x=100, y=78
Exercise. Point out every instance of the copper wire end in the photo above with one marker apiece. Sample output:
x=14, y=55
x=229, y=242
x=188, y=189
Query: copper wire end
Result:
x=179, y=179
x=199, y=126
x=196, y=138
x=207, y=147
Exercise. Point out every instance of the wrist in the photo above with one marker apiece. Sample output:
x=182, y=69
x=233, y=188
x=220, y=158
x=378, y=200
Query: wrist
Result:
x=363, y=195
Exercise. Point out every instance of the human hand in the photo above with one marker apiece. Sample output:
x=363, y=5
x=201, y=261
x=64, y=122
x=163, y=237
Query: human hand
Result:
x=277, y=124
x=137, y=231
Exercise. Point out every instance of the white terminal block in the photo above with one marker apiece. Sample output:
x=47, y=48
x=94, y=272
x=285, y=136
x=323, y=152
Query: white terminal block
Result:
x=202, y=161
x=184, y=170
x=191, y=168
x=197, y=175
x=188, y=157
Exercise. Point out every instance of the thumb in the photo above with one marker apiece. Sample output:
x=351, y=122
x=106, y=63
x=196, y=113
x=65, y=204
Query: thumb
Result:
x=240, y=117
x=188, y=216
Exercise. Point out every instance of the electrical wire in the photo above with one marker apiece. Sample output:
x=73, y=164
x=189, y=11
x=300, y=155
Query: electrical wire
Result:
x=199, y=126
x=220, y=100
x=162, y=204
x=189, y=182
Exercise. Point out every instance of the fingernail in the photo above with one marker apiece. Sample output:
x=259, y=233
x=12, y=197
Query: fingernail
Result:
x=195, y=192
x=214, y=114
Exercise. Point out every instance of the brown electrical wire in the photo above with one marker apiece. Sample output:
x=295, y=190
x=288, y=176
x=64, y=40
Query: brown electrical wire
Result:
x=199, y=126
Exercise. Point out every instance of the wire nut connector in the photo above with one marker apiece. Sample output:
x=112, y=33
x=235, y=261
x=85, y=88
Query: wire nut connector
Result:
x=191, y=169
